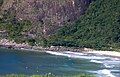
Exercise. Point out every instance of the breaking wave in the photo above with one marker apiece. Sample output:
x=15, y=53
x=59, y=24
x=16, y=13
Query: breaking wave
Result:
x=76, y=55
x=106, y=62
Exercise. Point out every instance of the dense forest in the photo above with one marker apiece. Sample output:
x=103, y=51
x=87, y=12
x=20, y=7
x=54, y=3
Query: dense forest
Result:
x=15, y=29
x=1, y=2
x=99, y=28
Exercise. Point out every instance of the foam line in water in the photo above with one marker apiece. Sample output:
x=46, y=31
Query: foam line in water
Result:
x=106, y=72
x=108, y=66
x=96, y=61
x=58, y=53
x=103, y=73
x=108, y=62
x=88, y=57
x=68, y=54
x=112, y=63
x=75, y=53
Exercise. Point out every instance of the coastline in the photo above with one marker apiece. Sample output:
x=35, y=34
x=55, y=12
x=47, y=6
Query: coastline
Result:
x=5, y=43
x=114, y=54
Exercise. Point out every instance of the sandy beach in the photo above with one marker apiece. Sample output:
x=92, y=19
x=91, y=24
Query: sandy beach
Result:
x=107, y=53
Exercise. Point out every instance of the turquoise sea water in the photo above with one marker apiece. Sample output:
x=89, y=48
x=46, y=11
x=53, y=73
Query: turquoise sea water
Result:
x=58, y=63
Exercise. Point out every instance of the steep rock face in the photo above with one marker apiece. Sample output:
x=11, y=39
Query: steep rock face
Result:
x=47, y=16
x=50, y=14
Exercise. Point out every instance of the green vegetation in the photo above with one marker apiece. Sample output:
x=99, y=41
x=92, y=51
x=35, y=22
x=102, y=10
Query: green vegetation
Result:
x=13, y=26
x=16, y=29
x=1, y=2
x=99, y=28
x=48, y=75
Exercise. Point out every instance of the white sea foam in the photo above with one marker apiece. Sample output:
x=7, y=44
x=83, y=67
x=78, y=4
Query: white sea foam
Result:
x=58, y=53
x=108, y=66
x=96, y=61
x=89, y=57
x=108, y=62
x=103, y=73
x=75, y=55
x=106, y=72
x=113, y=62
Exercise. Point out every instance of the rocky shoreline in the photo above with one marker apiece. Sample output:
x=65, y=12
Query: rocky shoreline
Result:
x=5, y=43
x=12, y=44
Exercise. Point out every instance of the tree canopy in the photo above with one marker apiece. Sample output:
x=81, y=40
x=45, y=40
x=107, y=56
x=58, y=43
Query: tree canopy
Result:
x=98, y=28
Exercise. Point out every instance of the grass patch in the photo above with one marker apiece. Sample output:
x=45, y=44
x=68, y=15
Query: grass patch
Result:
x=47, y=75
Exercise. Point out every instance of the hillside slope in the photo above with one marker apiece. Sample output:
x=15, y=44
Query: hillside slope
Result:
x=99, y=28
x=46, y=15
x=31, y=20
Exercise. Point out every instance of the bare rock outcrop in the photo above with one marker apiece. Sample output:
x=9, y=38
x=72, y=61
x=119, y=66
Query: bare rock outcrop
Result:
x=47, y=16
x=50, y=15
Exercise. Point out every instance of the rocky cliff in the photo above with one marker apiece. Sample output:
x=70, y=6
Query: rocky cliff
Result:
x=47, y=16
x=51, y=14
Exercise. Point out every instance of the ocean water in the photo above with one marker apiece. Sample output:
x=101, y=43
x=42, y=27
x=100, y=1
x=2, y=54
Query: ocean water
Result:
x=57, y=63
